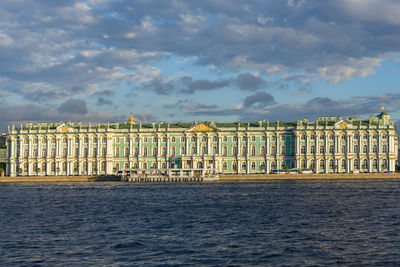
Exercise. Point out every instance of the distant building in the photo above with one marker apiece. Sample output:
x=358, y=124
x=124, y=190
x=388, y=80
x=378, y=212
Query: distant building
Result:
x=329, y=144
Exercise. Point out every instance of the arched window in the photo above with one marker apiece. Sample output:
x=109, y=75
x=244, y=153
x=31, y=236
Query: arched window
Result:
x=312, y=164
x=135, y=165
x=244, y=150
x=44, y=167
x=199, y=165
x=283, y=164
x=65, y=152
x=283, y=150
x=365, y=149
x=244, y=138
x=331, y=164
x=253, y=166
x=164, y=139
x=76, y=152
x=136, y=151
x=293, y=164
x=94, y=152
x=343, y=137
x=194, y=150
x=214, y=150
x=234, y=151
x=273, y=166
x=117, y=166
x=343, y=149
x=375, y=149
x=26, y=152
x=164, y=151
x=35, y=167
x=103, y=166
x=154, y=139
x=117, y=152
x=64, y=167
x=253, y=150
x=224, y=166
x=384, y=148
x=375, y=164
x=204, y=138
x=35, y=154
x=273, y=151
x=262, y=150
x=145, y=165
x=321, y=149
x=384, y=163
x=262, y=166
x=322, y=164
x=303, y=164
x=343, y=164
x=173, y=139
x=76, y=169
x=365, y=164
x=303, y=149
x=103, y=152
x=44, y=153
x=173, y=151
x=356, y=164
x=234, y=166
x=53, y=167
x=243, y=166
x=126, y=165
x=154, y=151
x=163, y=165
x=331, y=149
x=253, y=138
x=145, y=152
x=203, y=150
x=356, y=149
x=312, y=150
x=126, y=152
x=182, y=150
x=193, y=139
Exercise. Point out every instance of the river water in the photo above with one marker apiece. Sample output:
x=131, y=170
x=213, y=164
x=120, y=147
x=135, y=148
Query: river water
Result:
x=268, y=223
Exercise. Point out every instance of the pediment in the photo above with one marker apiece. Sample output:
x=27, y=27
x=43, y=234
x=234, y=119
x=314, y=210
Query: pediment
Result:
x=342, y=124
x=64, y=128
x=202, y=127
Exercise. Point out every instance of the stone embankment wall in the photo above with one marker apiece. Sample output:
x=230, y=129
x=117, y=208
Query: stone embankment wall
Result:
x=330, y=176
x=58, y=179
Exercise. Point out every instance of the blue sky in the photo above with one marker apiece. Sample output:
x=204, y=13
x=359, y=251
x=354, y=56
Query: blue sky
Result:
x=225, y=60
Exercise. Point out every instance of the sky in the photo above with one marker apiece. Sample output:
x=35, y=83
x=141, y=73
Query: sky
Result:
x=180, y=61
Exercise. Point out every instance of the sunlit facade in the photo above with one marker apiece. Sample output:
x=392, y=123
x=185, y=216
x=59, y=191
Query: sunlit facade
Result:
x=330, y=144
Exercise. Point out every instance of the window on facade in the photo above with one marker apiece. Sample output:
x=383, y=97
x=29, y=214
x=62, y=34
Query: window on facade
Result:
x=204, y=139
x=375, y=136
x=262, y=166
x=244, y=138
x=204, y=150
x=234, y=138
x=343, y=149
x=104, y=139
x=76, y=139
x=234, y=151
x=135, y=165
x=194, y=150
x=322, y=137
x=253, y=151
x=164, y=151
x=193, y=139
x=225, y=151
x=356, y=149
x=53, y=167
x=331, y=137
x=76, y=152
x=103, y=166
x=283, y=165
x=145, y=165
x=94, y=152
x=375, y=164
x=116, y=152
x=145, y=139
x=163, y=165
x=154, y=139
x=331, y=164
x=215, y=138
x=65, y=152
x=35, y=153
x=365, y=164
x=273, y=166
x=103, y=152
x=126, y=165
x=53, y=152
x=384, y=163
x=322, y=149
x=65, y=140
x=214, y=150
x=253, y=138
x=26, y=153
x=384, y=136
x=224, y=166
x=375, y=149
x=273, y=150
x=365, y=136
x=182, y=150
x=164, y=139
x=331, y=149
x=303, y=137
x=117, y=166
x=154, y=151
x=343, y=137
x=126, y=152
x=283, y=150
x=173, y=151
x=263, y=138
x=225, y=138
x=384, y=148
x=262, y=150
x=356, y=136
x=313, y=137
x=199, y=165
x=244, y=150
x=243, y=166
x=44, y=153
x=356, y=165
x=173, y=139
x=44, y=167
x=322, y=164
x=365, y=149
x=117, y=140
x=343, y=164
x=303, y=149
x=303, y=164
x=253, y=166
x=312, y=150
x=64, y=167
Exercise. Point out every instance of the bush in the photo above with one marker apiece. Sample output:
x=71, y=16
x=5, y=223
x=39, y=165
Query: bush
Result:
x=1, y=171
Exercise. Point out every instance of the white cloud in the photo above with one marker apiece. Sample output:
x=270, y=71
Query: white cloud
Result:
x=5, y=40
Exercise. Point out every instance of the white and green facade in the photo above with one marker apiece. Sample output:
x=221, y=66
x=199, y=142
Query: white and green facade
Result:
x=327, y=145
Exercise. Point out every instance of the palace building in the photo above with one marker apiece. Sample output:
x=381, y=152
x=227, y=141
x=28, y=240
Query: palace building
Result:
x=330, y=144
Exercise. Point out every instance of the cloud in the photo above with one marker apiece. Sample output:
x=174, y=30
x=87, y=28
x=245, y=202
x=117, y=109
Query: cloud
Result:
x=104, y=102
x=73, y=106
x=249, y=82
x=262, y=99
